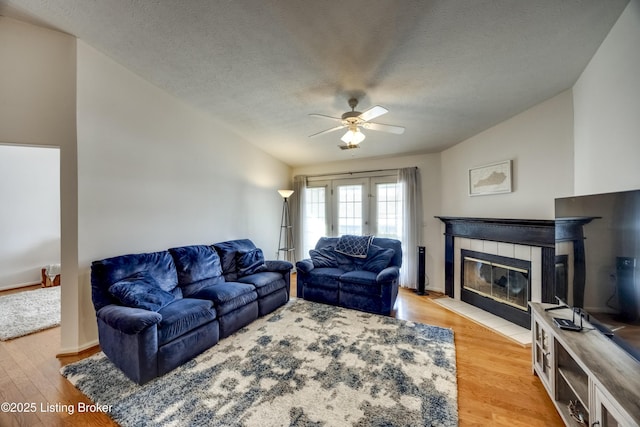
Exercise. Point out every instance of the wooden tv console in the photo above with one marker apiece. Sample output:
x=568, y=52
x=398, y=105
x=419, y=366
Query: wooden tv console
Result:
x=584, y=370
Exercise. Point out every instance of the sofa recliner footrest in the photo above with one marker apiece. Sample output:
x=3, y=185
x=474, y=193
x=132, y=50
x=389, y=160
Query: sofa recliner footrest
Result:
x=238, y=318
x=175, y=353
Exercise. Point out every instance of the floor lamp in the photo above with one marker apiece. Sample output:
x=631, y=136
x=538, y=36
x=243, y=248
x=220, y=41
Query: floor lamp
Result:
x=285, y=244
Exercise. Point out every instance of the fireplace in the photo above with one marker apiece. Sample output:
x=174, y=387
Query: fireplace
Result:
x=513, y=261
x=497, y=284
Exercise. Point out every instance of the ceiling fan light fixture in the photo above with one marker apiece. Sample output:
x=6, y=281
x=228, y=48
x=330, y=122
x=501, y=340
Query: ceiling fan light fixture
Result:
x=354, y=120
x=353, y=136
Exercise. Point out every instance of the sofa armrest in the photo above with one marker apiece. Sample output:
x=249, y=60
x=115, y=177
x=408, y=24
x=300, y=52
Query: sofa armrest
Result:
x=304, y=266
x=389, y=274
x=278, y=265
x=127, y=319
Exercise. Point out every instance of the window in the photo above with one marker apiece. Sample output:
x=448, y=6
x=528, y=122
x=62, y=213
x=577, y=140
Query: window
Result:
x=315, y=217
x=370, y=205
x=351, y=201
x=388, y=210
x=350, y=209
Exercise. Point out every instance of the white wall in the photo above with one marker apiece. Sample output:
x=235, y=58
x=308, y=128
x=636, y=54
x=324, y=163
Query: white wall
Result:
x=606, y=101
x=154, y=173
x=540, y=143
x=30, y=214
x=38, y=107
x=147, y=173
x=429, y=166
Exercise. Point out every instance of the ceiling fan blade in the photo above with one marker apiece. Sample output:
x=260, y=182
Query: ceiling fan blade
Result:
x=372, y=113
x=323, y=116
x=398, y=130
x=327, y=131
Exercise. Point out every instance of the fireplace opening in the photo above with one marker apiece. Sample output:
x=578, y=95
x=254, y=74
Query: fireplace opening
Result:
x=497, y=284
x=500, y=282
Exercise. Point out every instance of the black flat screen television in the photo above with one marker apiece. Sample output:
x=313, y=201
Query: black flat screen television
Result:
x=600, y=273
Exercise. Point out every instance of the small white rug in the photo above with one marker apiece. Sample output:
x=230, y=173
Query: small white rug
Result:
x=24, y=313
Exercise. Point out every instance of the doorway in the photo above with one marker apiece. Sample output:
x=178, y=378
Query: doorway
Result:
x=30, y=217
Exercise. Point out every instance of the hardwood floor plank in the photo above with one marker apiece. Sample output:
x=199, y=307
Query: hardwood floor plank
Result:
x=496, y=386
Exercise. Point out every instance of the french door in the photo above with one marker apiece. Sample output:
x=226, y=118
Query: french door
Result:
x=350, y=207
x=359, y=206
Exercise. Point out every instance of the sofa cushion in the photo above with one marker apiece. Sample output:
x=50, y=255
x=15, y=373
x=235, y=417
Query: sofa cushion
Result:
x=349, y=263
x=265, y=282
x=193, y=288
x=324, y=257
x=141, y=290
x=227, y=296
x=325, y=242
x=196, y=263
x=250, y=262
x=378, y=259
x=106, y=272
x=394, y=244
x=227, y=252
x=355, y=246
x=360, y=277
x=183, y=316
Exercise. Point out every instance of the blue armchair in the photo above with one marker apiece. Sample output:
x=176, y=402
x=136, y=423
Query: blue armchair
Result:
x=366, y=282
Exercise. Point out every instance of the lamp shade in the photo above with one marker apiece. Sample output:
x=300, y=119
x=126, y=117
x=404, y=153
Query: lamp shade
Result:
x=285, y=193
x=353, y=136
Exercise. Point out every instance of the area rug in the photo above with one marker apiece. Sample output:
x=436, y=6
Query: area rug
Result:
x=24, y=313
x=306, y=364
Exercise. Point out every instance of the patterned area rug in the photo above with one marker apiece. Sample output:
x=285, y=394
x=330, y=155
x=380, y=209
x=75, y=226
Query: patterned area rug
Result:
x=24, y=313
x=306, y=364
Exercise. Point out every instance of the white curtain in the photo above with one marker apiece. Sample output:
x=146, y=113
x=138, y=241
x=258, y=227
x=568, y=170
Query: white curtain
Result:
x=297, y=213
x=409, y=178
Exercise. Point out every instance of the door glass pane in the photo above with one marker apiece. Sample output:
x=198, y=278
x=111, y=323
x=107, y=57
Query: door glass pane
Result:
x=350, y=210
x=314, y=217
x=609, y=420
x=389, y=210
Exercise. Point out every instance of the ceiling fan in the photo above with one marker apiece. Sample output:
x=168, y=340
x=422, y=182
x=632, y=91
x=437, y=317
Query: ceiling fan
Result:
x=354, y=120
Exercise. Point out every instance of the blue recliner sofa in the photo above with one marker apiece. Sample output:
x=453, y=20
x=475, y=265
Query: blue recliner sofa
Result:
x=364, y=276
x=157, y=310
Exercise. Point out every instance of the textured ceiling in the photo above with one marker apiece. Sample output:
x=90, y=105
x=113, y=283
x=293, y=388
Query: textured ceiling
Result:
x=445, y=70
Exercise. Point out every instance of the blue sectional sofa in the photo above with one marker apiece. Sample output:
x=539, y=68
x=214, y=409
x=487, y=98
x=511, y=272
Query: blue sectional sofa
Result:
x=157, y=310
x=364, y=279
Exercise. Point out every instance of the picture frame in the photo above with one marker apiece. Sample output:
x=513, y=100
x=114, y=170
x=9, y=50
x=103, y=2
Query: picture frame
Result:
x=494, y=178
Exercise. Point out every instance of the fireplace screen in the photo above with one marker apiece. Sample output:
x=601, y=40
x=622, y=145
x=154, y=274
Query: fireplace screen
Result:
x=503, y=283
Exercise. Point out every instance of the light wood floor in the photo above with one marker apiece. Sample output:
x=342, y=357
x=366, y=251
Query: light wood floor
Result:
x=495, y=383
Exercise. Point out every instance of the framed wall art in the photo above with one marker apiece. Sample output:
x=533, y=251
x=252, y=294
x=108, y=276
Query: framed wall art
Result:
x=494, y=178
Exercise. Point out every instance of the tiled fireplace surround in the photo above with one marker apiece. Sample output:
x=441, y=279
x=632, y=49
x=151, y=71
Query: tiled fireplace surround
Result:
x=509, y=250
x=528, y=240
